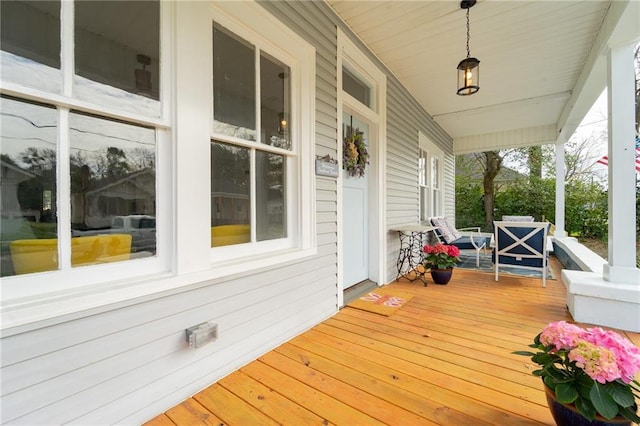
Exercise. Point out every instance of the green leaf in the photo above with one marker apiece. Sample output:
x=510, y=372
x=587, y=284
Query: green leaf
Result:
x=620, y=393
x=536, y=339
x=566, y=393
x=628, y=413
x=550, y=382
x=525, y=353
x=602, y=402
x=542, y=358
x=556, y=374
x=585, y=408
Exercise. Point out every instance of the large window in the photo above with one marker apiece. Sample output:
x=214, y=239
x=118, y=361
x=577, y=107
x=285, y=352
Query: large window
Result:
x=80, y=127
x=253, y=159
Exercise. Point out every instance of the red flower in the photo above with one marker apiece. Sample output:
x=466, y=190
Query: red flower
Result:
x=453, y=251
x=440, y=256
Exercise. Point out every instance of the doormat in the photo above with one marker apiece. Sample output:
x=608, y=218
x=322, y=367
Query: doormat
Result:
x=381, y=301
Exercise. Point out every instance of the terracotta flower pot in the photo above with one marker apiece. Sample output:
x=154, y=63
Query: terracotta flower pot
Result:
x=567, y=414
x=441, y=276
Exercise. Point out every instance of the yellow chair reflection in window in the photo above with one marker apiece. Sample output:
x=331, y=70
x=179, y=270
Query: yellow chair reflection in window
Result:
x=225, y=235
x=38, y=255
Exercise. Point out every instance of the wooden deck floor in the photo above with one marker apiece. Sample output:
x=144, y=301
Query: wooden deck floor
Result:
x=443, y=358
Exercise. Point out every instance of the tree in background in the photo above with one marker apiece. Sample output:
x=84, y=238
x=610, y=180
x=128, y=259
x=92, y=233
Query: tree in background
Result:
x=476, y=188
x=535, y=162
x=492, y=165
x=532, y=191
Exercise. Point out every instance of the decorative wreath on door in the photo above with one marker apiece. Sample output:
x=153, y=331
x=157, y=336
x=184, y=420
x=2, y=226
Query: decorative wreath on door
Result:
x=355, y=154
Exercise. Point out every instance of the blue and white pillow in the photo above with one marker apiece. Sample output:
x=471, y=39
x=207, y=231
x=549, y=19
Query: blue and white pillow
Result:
x=448, y=232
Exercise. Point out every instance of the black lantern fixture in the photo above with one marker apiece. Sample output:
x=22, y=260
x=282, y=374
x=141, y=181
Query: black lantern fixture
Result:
x=468, y=68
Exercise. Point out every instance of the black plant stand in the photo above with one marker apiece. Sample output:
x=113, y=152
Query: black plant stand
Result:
x=410, y=258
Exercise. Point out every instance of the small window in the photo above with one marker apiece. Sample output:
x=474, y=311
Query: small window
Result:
x=234, y=85
x=113, y=180
x=230, y=195
x=429, y=178
x=435, y=173
x=29, y=224
x=423, y=186
x=356, y=87
x=275, y=108
x=118, y=64
x=271, y=203
x=30, y=53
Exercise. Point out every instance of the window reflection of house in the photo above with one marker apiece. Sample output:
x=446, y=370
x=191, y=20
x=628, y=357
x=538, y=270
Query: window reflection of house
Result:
x=12, y=176
x=133, y=193
x=230, y=207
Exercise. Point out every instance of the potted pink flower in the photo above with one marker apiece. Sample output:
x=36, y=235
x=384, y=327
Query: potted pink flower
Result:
x=589, y=374
x=440, y=260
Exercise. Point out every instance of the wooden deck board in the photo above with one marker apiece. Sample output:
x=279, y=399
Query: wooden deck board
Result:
x=443, y=358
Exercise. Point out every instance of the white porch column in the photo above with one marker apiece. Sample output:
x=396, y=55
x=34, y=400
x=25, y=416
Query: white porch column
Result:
x=611, y=297
x=622, y=179
x=560, y=172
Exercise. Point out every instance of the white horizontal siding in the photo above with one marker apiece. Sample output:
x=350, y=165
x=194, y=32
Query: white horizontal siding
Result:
x=405, y=118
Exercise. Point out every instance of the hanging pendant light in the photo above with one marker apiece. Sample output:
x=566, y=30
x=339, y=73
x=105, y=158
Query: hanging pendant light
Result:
x=468, y=68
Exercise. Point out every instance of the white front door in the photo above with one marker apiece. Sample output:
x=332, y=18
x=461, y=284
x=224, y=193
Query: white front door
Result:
x=355, y=199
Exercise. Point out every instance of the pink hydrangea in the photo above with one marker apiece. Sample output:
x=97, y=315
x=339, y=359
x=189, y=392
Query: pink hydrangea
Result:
x=562, y=335
x=626, y=355
x=597, y=362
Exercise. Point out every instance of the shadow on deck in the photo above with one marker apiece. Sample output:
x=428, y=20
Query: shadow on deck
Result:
x=443, y=358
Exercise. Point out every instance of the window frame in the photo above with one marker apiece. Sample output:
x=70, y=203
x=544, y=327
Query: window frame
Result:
x=47, y=286
x=185, y=259
x=299, y=56
x=424, y=180
x=429, y=192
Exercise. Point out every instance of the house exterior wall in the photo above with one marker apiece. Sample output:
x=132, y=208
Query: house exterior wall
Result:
x=128, y=361
x=405, y=118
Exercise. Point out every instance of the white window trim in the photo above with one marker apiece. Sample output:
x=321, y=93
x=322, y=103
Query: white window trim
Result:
x=423, y=187
x=267, y=34
x=46, y=287
x=432, y=151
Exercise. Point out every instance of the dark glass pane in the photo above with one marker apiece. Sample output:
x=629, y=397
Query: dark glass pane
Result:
x=30, y=32
x=28, y=224
x=234, y=85
x=117, y=43
x=230, y=191
x=355, y=87
x=275, y=102
x=113, y=190
x=271, y=204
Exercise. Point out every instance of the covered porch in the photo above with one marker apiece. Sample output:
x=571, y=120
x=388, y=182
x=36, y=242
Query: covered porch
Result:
x=443, y=358
x=544, y=64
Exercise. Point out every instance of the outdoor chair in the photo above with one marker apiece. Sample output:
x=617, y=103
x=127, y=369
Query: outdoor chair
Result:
x=463, y=238
x=521, y=244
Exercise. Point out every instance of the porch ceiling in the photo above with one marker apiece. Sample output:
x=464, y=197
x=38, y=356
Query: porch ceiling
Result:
x=542, y=62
